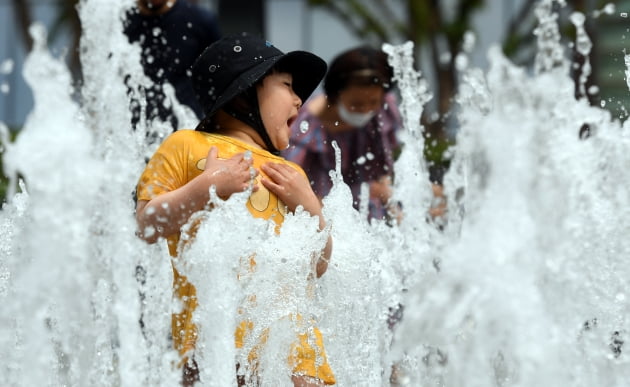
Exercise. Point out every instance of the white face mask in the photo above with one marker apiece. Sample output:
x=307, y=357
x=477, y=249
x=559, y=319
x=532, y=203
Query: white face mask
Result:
x=352, y=118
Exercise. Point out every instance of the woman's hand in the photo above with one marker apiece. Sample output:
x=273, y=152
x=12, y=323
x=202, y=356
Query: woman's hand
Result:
x=381, y=189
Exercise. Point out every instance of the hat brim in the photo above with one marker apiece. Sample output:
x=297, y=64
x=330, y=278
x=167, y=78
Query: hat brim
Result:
x=306, y=69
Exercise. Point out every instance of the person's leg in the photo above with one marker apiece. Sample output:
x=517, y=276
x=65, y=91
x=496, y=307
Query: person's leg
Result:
x=306, y=381
x=308, y=361
x=240, y=379
x=190, y=372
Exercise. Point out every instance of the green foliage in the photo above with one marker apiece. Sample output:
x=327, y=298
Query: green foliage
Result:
x=4, y=185
x=4, y=180
x=435, y=150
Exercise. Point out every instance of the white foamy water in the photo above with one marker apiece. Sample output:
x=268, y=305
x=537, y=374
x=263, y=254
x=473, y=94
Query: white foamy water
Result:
x=526, y=285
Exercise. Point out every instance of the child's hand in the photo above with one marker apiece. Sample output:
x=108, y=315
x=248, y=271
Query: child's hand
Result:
x=229, y=176
x=291, y=187
x=294, y=189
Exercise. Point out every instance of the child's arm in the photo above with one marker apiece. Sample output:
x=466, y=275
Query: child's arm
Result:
x=294, y=189
x=165, y=214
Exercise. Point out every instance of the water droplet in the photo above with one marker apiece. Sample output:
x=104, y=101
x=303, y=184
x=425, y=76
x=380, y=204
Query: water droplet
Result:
x=445, y=57
x=369, y=156
x=238, y=48
x=336, y=123
x=624, y=14
x=156, y=31
x=6, y=67
x=304, y=126
x=461, y=62
x=4, y=88
x=212, y=68
x=361, y=160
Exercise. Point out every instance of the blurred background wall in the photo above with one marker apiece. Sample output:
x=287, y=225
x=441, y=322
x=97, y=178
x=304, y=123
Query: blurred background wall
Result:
x=316, y=26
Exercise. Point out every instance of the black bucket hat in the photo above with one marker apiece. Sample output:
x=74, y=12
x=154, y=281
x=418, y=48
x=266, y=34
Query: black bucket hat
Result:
x=234, y=63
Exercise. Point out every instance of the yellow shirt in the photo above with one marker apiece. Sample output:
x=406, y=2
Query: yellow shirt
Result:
x=178, y=160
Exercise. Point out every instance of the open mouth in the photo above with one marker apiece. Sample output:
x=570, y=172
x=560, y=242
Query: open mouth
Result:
x=291, y=120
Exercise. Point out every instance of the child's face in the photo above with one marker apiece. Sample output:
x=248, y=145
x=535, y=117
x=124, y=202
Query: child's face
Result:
x=278, y=107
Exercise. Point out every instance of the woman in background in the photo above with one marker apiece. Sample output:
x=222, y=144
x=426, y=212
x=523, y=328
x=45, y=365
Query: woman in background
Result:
x=360, y=114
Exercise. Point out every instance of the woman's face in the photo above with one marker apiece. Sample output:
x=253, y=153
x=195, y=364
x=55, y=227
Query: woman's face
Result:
x=278, y=107
x=362, y=99
x=357, y=105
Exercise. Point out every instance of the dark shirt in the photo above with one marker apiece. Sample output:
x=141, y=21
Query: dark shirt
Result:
x=170, y=44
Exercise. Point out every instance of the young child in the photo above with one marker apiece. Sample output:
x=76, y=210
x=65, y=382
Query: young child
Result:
x=251, y=93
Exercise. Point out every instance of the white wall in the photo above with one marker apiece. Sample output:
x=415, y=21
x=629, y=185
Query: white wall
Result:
x=291, y=25
x=16, y=99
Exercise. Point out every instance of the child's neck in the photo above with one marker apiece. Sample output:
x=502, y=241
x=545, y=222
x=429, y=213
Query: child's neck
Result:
x=231, y=127
x=244, y=136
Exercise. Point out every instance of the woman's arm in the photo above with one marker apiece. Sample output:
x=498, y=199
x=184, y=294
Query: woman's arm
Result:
x=165, y=214
x=294, y=189
x=381, y=189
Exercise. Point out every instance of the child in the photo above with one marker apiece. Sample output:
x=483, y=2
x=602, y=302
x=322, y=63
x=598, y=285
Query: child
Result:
x=251, y=93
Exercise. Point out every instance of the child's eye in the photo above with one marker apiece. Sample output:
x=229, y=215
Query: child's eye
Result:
x=288, y=84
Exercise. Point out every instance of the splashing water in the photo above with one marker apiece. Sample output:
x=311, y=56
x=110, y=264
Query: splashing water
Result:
x=526, y=285
x=304, y=126
x=531, y=291
x=583, y=46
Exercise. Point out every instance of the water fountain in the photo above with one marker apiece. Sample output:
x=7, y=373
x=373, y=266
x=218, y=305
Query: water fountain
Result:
x=526, y=285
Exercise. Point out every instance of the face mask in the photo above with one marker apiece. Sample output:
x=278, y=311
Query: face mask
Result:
x=354, y=119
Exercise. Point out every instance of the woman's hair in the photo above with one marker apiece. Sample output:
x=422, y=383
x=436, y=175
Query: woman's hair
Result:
x=361, y=66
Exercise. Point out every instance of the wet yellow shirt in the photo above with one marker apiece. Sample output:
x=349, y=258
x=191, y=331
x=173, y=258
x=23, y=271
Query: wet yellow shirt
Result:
x=178, y=160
